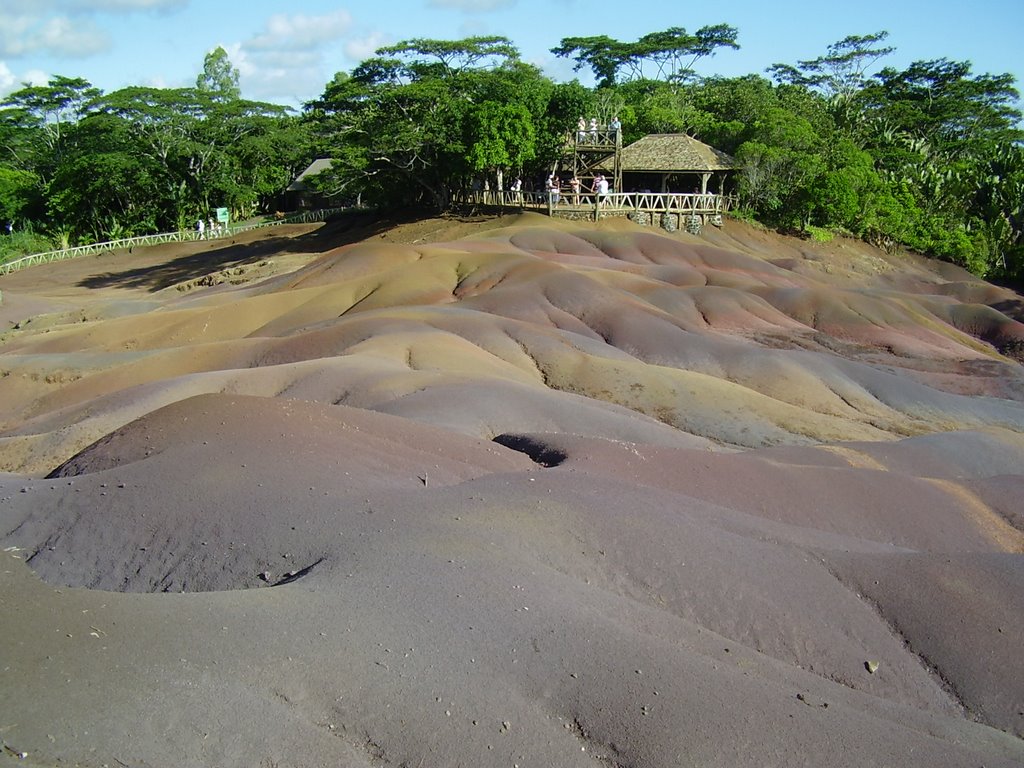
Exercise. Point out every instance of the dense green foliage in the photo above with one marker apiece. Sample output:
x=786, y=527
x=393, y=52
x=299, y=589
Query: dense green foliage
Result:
x=426, y=115
x=928, y=157
x=80, y=165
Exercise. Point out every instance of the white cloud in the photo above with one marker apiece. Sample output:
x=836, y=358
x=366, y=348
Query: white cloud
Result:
x=122, y=5
x=472, y=6
x=239, y=59
x=39, y=8
x=7, y=79
x=361, y=48
x=65, y=27
x=22, y=35
x=73, y=38
x=301, y=32
x=11, y=82
x=289, y=58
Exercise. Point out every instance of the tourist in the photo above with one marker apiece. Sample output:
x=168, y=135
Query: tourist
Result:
x=615, y=126
x=201, y=228
x=581, y=130
x=593, y=130
x=574, y=187
x=553, y=186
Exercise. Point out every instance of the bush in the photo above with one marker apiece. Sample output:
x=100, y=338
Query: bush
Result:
x=22, y=243
x=820, y=234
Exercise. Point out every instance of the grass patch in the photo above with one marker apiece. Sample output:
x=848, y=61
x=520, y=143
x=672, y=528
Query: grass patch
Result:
x=18, y=244
x=820, y=234
x=746, y=215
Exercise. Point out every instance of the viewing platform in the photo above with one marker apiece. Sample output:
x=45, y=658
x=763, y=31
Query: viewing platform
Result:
x=668, y=210
x=666, y=162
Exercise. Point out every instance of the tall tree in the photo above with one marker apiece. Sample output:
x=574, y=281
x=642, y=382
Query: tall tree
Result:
x=38, y=117
x=672, y=52
x=841, y=71
x=219, y=78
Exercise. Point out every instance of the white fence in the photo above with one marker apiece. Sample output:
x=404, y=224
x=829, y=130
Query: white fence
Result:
x=306, y=217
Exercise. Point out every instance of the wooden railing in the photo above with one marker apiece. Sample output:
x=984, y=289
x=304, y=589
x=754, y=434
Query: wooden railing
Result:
x=306, y=217
x=614, y=203
x=603, y=138
x=502, y=198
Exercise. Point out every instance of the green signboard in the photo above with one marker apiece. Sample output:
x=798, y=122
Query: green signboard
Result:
x=222, y=215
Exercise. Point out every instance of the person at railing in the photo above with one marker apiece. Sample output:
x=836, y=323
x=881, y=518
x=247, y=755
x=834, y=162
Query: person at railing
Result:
x=574, y=188
x=581, y=130
x=554, y=188
x=600, y=189
x=593, y=130
x=517, y=190
x=201, y=228
x=615, y=126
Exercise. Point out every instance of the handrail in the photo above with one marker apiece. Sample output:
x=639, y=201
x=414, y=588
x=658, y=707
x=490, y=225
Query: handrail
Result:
x=653, y=202
x=306, y=217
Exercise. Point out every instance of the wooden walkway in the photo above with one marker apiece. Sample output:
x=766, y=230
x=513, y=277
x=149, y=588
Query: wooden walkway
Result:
x=692, y=210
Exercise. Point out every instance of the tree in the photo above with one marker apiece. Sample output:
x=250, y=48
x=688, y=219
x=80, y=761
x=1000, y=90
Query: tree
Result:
x=219, y=79
x=944, y=104
x=20, y=195
x=105, y=186
x=672, y=52
x=37, y=118
x=412, y=122
x=842, y=71
x=781, y=163
x=499, y=137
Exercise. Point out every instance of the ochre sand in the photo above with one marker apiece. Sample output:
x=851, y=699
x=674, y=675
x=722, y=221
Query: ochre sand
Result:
x=510, y=492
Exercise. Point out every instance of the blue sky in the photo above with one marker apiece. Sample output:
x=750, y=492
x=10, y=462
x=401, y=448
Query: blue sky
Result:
x=287, y=52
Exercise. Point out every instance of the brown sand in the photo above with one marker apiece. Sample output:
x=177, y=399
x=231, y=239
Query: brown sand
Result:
x=510, y=492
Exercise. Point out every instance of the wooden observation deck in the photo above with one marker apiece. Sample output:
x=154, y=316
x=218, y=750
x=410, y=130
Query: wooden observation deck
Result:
x=658, y=160
x=592, y=152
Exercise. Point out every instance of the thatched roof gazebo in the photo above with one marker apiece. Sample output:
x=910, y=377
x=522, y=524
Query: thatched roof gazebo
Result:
x=673, y=154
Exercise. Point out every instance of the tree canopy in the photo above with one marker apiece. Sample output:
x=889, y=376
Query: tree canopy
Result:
x=86, y=165
x=671, y=52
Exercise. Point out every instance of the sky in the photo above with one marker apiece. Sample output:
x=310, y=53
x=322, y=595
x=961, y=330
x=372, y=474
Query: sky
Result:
x=286, y=52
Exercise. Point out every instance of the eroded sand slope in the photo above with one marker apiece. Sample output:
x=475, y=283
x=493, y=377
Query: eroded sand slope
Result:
x=537, y=495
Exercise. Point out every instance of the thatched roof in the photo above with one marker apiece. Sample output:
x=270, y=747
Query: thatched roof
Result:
x=674, y=153
x=318, y=165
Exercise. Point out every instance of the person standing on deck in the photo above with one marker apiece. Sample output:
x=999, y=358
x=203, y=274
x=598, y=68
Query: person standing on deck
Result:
x=553, y=186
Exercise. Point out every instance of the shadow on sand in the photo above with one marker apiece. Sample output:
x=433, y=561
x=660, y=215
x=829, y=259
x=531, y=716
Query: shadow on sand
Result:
x=342, y=230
